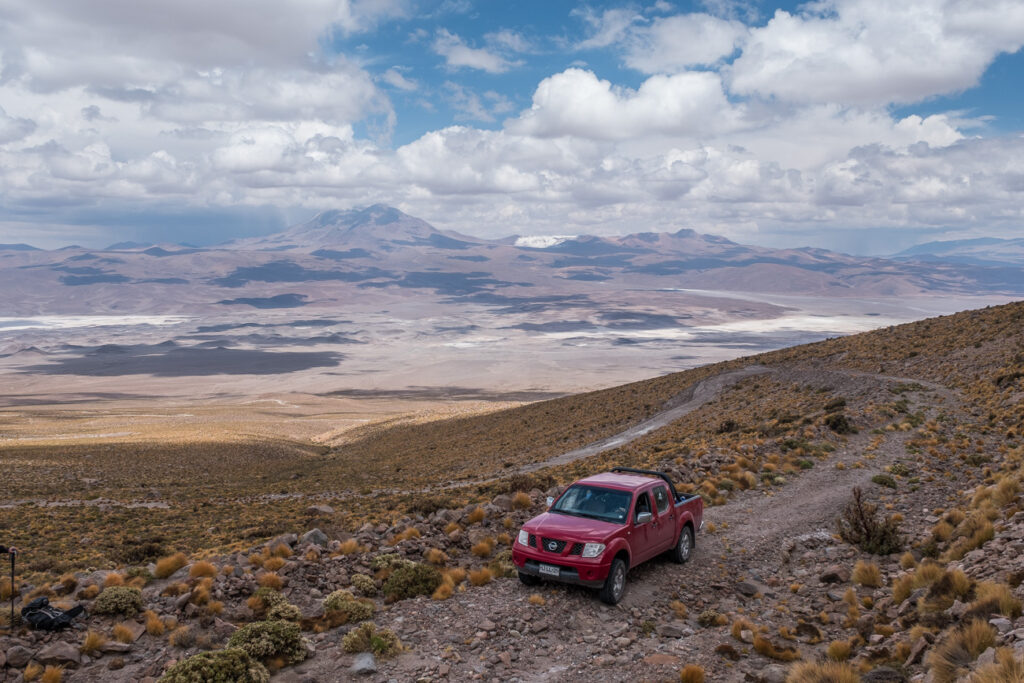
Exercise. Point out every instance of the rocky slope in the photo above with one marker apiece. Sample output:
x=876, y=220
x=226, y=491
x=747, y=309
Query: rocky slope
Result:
x=925, y=419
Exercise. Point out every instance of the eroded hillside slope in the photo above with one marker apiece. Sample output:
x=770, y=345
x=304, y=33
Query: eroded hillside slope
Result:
x=925, y=419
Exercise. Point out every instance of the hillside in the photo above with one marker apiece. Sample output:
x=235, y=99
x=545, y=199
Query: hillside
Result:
x=925, y=418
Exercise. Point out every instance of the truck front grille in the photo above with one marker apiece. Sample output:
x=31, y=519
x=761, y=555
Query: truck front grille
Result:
x=533, y=541
x=577, y=549
x=552, y=545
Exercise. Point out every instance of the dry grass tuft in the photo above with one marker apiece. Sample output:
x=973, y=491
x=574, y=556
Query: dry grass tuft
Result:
x=678, y=608
x=951, y=657
x=521, y=500
x=481, y=577
x=272, y=564
x=444, y=591
x=166, y=566
x=282, y=550
x=476, y=516
x=32, y=671
x=907, y=560
x=765, y=647
x=839, y=650
x=154, y=625
x=992, y=597
x=692, y=673
x=202, y=569
x=348, y=547
x=436, y=557
x=113, y=579
x=92, y=642
x=271, y=580
x=867, y=574
x=822, y=672
x=484, y=548
x=52, y=674
x=537, y=600
x=1006, y=669
x=123, y=634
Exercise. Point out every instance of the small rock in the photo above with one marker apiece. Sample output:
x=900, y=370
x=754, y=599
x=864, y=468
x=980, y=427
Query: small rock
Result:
x=773, y=673
x=835, y=574
x=746, y=588
x=986, y=657
x=59, y=653
x=1002, y=625
x=669, y=631
x=883, y=674
x=319, y=510
x=316, y=537
x=115, y=646
x=18, y=656
x=488, y=625
x=503, y=501
x=364, y=664
x=661, y=659
x=916, y=652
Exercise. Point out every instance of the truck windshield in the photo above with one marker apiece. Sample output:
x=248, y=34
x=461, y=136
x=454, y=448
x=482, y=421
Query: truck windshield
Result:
x=595, y=502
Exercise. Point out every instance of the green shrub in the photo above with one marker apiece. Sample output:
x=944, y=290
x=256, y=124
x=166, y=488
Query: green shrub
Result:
x=233, y=665
x=285, y=611
x=269, y=596
x=502, y=565
x=124, y=600
x=861, y=525
x=388, y=561
x=367, y=638
x=411, y=580
x=884, y=480
x=899, y=469
x=342, y=607
x=265, y=640
x=364, y=584
x=839, y=424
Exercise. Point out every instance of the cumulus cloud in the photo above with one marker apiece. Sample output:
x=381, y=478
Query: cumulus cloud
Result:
x=458, y=55
x=606, y=28
x=575, y=102
x=875, y=52
x=673, y=43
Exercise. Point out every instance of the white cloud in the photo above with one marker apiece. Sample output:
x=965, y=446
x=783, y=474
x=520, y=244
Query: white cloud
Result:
x=395, y=79
x=607, y=28
x=457, y=54
x=12, y=128
x=669, y=44
x=575, y=102
x=876, y=52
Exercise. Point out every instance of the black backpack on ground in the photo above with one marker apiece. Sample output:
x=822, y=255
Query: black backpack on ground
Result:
x=40, y=615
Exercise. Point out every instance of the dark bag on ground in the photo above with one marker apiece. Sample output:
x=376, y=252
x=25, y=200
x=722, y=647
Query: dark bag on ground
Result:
x=40, y=615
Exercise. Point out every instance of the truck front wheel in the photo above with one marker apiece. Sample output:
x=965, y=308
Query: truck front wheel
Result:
x=615, y=585
x=528, y=579
x=684, y=546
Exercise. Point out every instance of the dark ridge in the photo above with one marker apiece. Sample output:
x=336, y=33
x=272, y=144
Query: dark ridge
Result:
x=279, y=301
x=288, y=271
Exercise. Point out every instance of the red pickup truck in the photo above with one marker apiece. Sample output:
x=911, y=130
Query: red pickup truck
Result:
x=603, y=525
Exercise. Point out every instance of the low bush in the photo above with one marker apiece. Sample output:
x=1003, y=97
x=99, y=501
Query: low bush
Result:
x=1007, y=668
x=364, y=585
x=861, y=525
x=341, y=607
x=231, y=665
x=123, y=600
x=266, y=640
x=884, y=480
x=368, y=638
x=410, y=580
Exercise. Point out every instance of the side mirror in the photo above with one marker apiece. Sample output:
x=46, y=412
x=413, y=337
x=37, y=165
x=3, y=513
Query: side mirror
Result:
x=643, y=518
x=550, y=501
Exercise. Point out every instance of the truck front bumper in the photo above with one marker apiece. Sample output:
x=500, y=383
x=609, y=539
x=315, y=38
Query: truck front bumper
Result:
x=571, y=569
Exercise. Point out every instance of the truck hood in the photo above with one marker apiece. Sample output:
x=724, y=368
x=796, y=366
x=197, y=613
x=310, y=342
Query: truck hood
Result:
x=569, y=528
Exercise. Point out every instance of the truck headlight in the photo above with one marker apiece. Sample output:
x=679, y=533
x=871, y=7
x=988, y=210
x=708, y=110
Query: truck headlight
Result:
x=593, y=549
x=524, y=538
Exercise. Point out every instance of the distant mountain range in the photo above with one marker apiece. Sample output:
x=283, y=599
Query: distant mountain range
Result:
x=379, y=252
x=987, y=251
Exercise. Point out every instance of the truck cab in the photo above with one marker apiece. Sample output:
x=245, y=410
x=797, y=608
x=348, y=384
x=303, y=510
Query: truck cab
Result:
x=603, y=525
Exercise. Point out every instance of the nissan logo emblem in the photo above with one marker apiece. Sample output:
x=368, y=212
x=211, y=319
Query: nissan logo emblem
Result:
x=552, y=546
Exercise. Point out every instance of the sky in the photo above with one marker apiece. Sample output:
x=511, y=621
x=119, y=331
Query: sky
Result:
x=865, y=126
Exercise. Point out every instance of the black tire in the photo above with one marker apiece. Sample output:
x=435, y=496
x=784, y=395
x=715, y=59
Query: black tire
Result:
x=615, y=585
x=684, y=546
x=529, y=579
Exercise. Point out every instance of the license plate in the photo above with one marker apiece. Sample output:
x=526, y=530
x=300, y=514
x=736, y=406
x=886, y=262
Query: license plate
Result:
x=549, y=569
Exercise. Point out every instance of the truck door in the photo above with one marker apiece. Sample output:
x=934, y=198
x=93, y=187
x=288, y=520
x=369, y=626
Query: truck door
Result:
x=664, y=523
x=643, y=534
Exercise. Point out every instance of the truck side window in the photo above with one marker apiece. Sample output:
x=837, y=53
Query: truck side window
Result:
x=661, y=499
x=643, y=504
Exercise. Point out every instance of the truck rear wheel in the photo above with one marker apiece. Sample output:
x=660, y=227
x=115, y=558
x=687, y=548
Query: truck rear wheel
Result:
x=615, y=585
x=528, y=579
x=684, y=546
